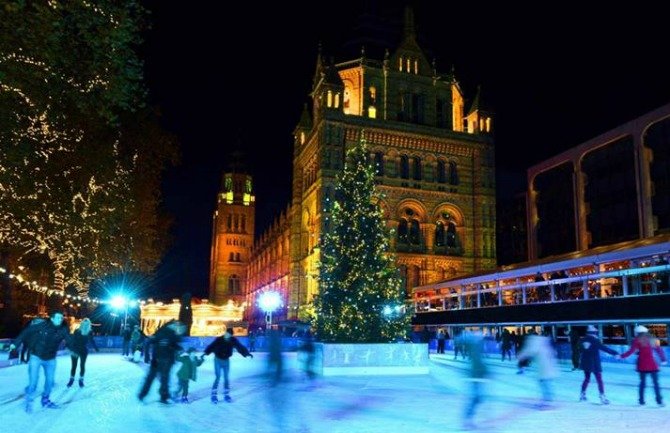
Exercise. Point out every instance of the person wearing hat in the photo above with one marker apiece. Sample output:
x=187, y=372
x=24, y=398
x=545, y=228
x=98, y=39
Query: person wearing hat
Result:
x=645, y=345
x=590, y=362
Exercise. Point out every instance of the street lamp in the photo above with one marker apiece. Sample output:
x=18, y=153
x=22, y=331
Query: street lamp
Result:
x=269, y=302
x=120, y=302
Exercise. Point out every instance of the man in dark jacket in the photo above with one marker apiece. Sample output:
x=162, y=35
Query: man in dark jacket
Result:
x=590, y=362
x=43, y=338
x=222, y=347
x=165, y=345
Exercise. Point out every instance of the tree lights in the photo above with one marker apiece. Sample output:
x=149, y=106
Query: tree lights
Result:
x=358, y=277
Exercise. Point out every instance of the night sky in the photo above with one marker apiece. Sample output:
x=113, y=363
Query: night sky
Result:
x=554, y=79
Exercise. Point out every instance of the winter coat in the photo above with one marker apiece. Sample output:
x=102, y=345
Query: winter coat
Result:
x=645, y=346
x=539, y=348
x=590, y=359
x=223, y=349
x=475, y=348
x=44, y=338
x=165, y=344
x=79, y=343
x=189, y=367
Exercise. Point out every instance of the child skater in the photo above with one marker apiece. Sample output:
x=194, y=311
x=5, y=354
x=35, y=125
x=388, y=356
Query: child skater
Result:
x=187, y=372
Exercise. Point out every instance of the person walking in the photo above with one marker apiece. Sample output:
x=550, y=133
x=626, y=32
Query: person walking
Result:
x=79, y=342
x=645, y=346
x=222, y=348
x=506, y=344
x=590, y=362
x=165, y=344
x=126, y=333
x=43, y=338
x=441, y=336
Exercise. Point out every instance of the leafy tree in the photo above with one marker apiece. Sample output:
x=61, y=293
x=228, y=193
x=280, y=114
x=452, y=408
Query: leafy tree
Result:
x=360, y=286
x=77, y=168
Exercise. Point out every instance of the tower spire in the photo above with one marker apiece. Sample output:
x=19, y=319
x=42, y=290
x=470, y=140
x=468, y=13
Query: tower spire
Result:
x=409, y=29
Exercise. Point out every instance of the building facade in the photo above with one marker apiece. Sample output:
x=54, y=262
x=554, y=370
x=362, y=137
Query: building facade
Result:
x=612, y=188
x=434, y=158
x=232, y=238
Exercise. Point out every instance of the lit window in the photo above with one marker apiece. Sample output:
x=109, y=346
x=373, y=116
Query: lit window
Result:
x=372, y=112
x=409, y=65
x=373, y=95
x=337, y=100
x=416, y=66
x=302, y=138
x=330, y=99
x=400, y=64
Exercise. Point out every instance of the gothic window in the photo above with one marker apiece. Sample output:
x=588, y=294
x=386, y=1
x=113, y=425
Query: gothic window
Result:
x=237, y=257
x=415, y=232
x=231, y=257
x=404, y=167
x=403, y=232
x=441, y=172
x=416, y=168
x=451, y=235
x=439, y=234
x=244, y=223
x=229, y=222
x=379, y=163
x=373, y=95
x=453, y=173
x=234, y=285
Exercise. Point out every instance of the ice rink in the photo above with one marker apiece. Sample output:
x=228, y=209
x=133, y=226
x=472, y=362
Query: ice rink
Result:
x=381, y=404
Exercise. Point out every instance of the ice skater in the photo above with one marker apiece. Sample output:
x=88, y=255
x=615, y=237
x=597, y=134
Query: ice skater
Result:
x=79, y=342
x=645, y=346
x=165, y=344
x=222, y=348
x=44, y=338
x=187, y=372
x=590, y=362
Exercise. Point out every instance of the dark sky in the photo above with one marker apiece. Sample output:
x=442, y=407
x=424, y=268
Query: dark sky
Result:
x=225, y=73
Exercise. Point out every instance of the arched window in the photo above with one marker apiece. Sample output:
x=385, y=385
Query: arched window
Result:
x=415, y=232
x=404, y=167
x=379, y=163
x=451, y=235
x=439, y=234
x=231, y=257
x=234, y=285
x=237, y=257
x=229, y=222
x=416, y=168
x=403, y=232
x=453, y=173
x=441, y=172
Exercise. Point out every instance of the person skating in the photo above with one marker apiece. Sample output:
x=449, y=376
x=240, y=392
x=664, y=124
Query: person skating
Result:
x=79, y=342
x=44, y=338
x=165, y=344
x=590, y=362
x=645, y=346
x=187, y=372
x=538, y=348
x=222, y=347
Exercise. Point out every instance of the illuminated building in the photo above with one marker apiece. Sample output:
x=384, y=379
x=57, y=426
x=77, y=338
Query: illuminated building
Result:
x=434, y=157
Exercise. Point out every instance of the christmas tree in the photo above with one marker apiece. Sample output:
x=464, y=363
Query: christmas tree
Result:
x=361, y=296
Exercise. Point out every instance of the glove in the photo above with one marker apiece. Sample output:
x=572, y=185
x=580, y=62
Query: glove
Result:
x=11, y=347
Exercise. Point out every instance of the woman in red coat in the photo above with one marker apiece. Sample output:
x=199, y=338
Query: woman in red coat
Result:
x=645, y=346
